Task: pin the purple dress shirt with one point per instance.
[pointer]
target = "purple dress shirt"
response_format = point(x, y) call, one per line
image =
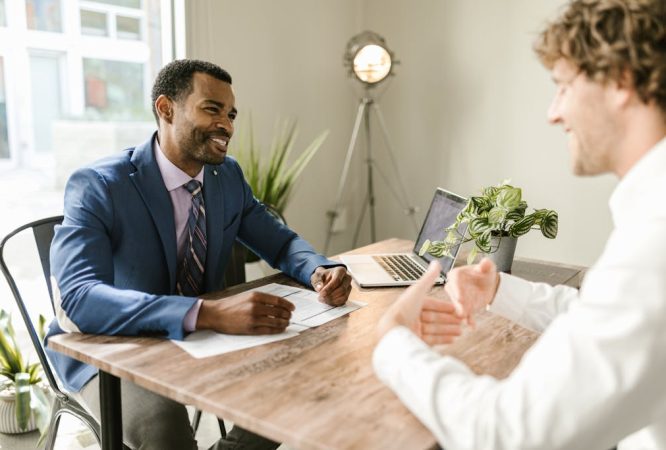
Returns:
point(174, 179)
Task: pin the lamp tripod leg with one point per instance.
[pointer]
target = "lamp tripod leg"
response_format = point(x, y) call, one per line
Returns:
point(410, 209)
point(360, 114)
point(359, 222)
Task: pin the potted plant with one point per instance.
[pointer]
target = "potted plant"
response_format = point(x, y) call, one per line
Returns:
point(272, 177)
point(24, 405)
point(494, 221)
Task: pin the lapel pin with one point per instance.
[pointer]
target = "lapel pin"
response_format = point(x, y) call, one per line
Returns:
point(214, 171)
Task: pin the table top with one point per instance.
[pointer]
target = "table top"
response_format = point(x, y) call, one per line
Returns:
point(317, 390)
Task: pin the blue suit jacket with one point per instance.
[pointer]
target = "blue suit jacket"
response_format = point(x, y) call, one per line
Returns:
point(114, 256)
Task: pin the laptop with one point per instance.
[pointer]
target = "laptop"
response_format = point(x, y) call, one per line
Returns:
point(403, 269)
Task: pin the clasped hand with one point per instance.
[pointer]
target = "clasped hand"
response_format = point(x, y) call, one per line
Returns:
point(438, 321)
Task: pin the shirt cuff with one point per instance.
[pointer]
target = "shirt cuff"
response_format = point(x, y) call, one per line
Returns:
point(394, 351)
point(511, 299)
point(190, 320)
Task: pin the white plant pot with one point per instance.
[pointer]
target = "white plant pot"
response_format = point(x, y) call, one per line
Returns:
point(8, 423)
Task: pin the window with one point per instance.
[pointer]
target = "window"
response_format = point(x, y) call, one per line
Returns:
point(128, 28)
point(4, 138)
point(44, 15)
point(126, 3)
point(93, 23)
point(45, 86)
point(96, 64)
point(3, 20)
point(114, 90)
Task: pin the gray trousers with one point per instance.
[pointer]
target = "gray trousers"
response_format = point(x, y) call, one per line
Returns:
point(151, 421)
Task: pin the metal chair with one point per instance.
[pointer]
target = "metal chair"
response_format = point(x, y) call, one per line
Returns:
point(63, 403)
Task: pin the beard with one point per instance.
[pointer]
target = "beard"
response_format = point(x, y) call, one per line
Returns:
point(198, 146)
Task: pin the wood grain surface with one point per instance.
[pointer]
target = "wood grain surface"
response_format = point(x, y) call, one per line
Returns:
point(317, 390)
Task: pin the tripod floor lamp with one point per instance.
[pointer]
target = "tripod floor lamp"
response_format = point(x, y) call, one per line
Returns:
point(370, 62)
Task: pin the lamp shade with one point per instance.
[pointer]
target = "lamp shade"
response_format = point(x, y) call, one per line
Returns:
point(368, 58)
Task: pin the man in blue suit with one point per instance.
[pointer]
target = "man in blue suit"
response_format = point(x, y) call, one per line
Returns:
point(148, 230)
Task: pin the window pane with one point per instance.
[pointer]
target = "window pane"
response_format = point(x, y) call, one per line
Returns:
point(127, 3)
point(114, 90)
point(46, 99)
point(3, 20)
point(128, 27)
point(4, 138)
point(93, 23)
point(44, 15)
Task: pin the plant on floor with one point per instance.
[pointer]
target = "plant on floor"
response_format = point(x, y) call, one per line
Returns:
point(498, 212)
point(272, 178)
point(22, 379)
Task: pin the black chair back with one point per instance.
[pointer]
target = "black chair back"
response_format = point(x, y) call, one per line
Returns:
point(43, 231)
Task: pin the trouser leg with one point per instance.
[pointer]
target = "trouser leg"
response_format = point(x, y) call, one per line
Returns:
point(241, 439)
point(150, 421)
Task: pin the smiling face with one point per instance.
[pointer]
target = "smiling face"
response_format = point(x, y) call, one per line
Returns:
point(196, 130)
point(585, 109)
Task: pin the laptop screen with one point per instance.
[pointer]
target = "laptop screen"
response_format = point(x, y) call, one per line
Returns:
point(443, 211)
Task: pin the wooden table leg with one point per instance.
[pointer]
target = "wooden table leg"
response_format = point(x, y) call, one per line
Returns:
point(111, 411)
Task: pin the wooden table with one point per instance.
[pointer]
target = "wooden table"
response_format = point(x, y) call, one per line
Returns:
point(314, 391)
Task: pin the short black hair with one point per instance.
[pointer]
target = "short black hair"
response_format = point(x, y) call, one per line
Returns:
point(175, 79)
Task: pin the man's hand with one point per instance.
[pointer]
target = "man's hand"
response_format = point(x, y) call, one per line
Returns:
point(246, 313)
point(333, 284)
point(472, 288)
point(434, 320)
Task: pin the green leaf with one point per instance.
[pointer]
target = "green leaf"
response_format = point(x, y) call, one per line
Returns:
point(424, 248)
point(472, 255)
point(41, 327)
point(483, 241)
point(272, 178)
point(40, 405)
point(509, 197)
point(478, 226)
point(481, 204)
point(497, 215)
point(522, 226)
point(22, 385)
point(490, 192)
point(549, 225)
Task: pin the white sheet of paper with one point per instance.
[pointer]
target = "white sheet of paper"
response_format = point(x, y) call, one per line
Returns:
point(205, 343)
point(309, 312)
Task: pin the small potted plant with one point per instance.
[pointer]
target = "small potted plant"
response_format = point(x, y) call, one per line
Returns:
point(494, 221)
point(272, 179)
point(24, 405)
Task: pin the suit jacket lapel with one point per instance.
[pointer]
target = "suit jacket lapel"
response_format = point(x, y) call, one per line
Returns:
point(148, 181)
point(213, 199)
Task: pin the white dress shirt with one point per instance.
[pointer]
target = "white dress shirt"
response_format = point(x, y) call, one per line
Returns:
point(597, 374)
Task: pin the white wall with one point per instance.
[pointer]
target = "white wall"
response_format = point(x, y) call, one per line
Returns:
point(467, 107)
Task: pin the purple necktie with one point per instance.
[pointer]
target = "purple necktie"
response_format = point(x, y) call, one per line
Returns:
point(191, 272)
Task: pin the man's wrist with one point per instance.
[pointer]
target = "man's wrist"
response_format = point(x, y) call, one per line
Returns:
point(191, 318)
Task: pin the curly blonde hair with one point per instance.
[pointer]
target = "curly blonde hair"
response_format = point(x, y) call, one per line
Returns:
point(606, 39)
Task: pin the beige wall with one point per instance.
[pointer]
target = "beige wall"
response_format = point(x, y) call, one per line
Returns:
point(467, 107)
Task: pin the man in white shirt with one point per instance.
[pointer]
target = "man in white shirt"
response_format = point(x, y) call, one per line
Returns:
point(597, 374)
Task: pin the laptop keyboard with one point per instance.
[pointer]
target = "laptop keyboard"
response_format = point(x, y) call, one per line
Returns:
point(400, 267)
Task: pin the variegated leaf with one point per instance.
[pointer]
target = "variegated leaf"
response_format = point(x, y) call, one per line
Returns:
point(522, 226)
point(509, 197)
point(483, 241)
point(497, 215)
point(549, 225)
point(478, 226)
